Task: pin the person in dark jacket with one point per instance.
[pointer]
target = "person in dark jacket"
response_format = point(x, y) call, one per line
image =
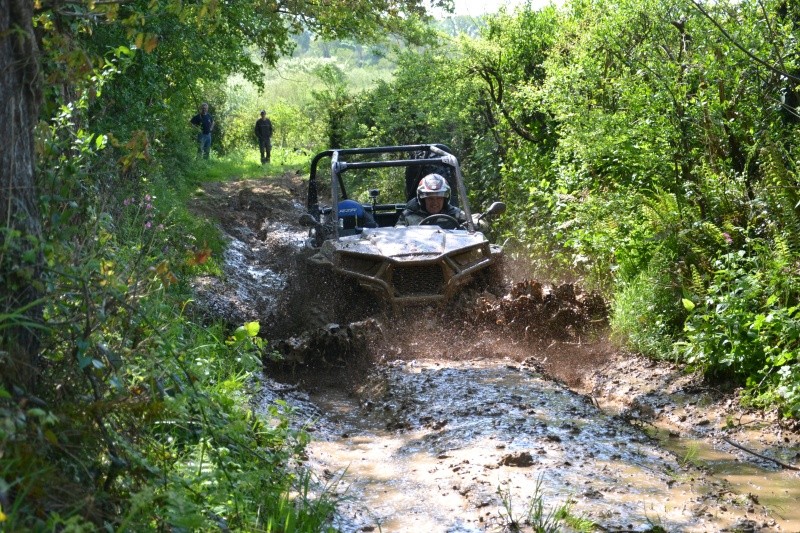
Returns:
point(205, 122)
point(433, 198)
point(264, 134)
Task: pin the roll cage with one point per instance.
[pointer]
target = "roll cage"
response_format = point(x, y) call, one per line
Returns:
point(424, 158)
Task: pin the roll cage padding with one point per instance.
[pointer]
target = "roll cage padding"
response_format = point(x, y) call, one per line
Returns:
point(312, 202)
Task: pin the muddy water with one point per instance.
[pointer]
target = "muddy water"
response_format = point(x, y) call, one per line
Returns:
point(250, 285)
point(779, 490)
point(754, 482)
point(461, 446)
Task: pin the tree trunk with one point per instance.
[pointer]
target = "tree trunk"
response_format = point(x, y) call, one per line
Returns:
point(20, 237)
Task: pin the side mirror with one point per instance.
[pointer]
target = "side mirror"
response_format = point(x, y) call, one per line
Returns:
point(497, 208)
point(307, 219)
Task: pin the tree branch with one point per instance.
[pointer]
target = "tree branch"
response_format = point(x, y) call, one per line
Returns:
point(495, 82)
point(740, 47)
point(777, 462)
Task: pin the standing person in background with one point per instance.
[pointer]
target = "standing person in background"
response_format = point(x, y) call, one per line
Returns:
point(205, 122)
point(264, 134)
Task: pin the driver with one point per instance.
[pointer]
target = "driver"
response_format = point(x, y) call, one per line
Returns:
point(433, 198)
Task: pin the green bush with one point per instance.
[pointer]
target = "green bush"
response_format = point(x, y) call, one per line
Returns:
point(742, 330)
point(646, 311)
point(142, 417)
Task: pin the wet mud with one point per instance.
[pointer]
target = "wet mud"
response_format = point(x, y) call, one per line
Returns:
point(509, 403)
point(473, 445)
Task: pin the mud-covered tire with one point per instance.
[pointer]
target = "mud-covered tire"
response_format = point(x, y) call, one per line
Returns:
point(319, 297)
point(493, 279)
point(329, 298)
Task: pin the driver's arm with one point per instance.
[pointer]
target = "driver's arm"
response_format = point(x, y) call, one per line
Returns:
point(408, 218)
point(457, 213)
point(402, 219)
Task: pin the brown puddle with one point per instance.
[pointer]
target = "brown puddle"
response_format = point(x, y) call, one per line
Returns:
point(756, 486)
point(461, 446)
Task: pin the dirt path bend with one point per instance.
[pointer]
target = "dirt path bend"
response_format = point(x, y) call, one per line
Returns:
point(424, 427)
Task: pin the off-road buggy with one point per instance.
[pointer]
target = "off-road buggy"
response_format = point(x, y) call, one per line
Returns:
point(358, 242)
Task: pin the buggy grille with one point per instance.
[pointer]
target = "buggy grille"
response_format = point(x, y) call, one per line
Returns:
point(418, 279)
point(359, 264)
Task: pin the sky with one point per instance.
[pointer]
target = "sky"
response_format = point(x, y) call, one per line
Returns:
point(479, 7)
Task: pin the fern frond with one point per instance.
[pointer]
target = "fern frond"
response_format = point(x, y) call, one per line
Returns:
point(781, 196)
point(697, 285)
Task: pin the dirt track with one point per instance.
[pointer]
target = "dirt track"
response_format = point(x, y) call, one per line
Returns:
point(540, 338)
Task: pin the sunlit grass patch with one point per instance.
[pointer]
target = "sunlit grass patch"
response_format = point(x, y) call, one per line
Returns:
point(246, 164)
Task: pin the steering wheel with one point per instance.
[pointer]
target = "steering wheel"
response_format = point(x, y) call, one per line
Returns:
point(450, 222)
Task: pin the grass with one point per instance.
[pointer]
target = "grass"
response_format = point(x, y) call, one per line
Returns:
point(691, 455)
point(245, 164)
point(538, 517)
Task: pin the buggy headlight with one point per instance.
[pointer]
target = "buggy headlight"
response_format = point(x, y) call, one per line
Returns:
point(465, 259)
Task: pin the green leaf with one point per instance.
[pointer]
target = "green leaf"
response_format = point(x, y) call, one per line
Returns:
point(249, 329)
point(252, 328)
point(783, 358)
point(123, 51)
point(82, 345)
point(687, 304)
point(37, 412)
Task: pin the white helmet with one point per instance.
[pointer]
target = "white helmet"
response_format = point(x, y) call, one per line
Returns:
point(433, 185)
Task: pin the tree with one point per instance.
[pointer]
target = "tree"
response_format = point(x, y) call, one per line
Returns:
point(20, 259)
point(509, 60)
point(184, 43)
